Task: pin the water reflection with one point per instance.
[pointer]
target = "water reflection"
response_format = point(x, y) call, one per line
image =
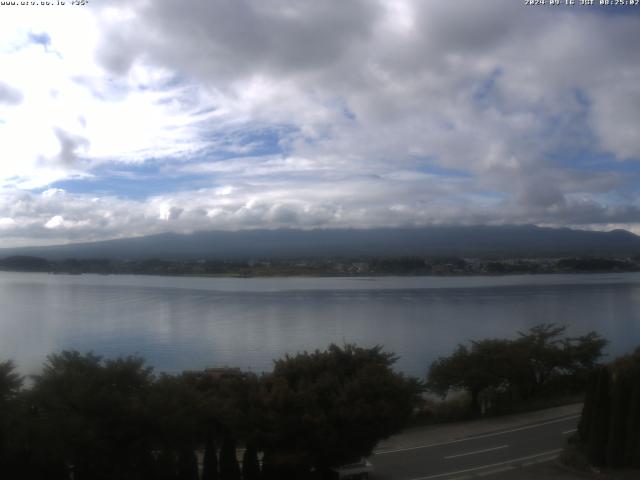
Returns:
point(188, 323)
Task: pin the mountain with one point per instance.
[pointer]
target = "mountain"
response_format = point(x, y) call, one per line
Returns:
point(503, 241)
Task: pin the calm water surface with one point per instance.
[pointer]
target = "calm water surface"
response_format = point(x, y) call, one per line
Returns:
point(189, 323)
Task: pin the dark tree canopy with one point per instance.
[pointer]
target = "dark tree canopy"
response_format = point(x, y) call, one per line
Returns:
point(114, 419)
point(229, 468)
point(10, 385)
point(250, 463)
point(609, 429)
point(522, 367)
point(329, 407)
point(10, 381)
point(210, 459)
point(92, 414)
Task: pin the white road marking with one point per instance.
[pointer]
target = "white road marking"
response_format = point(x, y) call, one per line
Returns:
point(567, 432)
point(499, 464)
point(497, 470)
point(466, 439)
point(477, 451)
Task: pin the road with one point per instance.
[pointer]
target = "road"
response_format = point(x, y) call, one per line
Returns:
point(476, 455)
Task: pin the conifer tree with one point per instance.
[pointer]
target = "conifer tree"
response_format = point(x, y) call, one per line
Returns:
point(166, 468)
point(229, 468)
point(599, 424)
point(584, 426)
point(210, 461)
point(250, 464)
point(632, 444)
point(268, 470)
point(620, 397)
point(187, 465)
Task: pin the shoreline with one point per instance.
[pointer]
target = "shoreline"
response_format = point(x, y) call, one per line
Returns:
point(331, 275)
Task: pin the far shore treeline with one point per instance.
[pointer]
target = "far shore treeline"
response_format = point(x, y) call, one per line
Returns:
point(86, 417)
point(323, 266)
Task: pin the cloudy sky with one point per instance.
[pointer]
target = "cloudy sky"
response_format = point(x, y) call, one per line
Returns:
point(122, 118)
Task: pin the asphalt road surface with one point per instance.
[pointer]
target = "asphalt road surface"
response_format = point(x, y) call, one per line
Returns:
point(479, 455)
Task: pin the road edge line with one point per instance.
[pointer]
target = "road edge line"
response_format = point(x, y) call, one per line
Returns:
point(483, 467)
point(476, 437)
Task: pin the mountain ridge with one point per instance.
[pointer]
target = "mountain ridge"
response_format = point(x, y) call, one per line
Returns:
point(479, 240)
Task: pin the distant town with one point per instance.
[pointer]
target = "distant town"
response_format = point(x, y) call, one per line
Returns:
point(369, 266)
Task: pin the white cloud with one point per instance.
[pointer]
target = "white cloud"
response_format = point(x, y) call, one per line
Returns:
point(7, 223)
point(383, 112)
point(55, 222)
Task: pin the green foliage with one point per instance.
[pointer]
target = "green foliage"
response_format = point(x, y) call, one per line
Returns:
point(250, 464)
point(113, 419)
point(227, 403)
point(166, 465)
point(176, 411)
point(599, 425)
point(328, 407)
point(10, 385)
point(586, 418)
point(620, 398)
point(474, 370)
point(542, 347)
point(582, 353)
point(229, 468)
point(210, 460)
point(632, 444)
point(453, 409)
point(595, 265)
point(610, 423)
point(400, 265)
point(92, 414)
point(187, 465)
point(10, 381)
point(25, 263)
point(535, 363)
point(269, 470)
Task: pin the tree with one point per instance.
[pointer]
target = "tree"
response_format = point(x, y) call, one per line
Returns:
point(610, 423)
point(628, 370)
point(599, 425)
point(166, 465)
point(187, 464)
point(330, 407)
point(229, 468)
point(455, 372)
point(586, 417)
point(210, 461)
point(10, 385)
point(250, 464)
point(92, 414)
point(543, 347)
point(269, 470)
point(489, 365)
point(517, 369)
point(584, 352)
point(632, 449)
point(174, 408)
point(551, 356)
point(620, 398)
point(10, 381)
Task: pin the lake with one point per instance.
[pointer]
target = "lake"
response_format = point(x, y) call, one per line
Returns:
point(179, 323)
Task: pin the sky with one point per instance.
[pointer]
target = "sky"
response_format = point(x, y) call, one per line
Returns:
point(127, 118)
